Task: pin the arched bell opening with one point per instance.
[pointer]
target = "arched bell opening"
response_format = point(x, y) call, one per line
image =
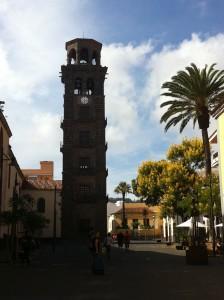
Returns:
point(95, 58)
point(84, 56)
point(72, 57)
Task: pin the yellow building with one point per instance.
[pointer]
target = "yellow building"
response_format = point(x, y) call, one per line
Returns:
point(11, 177)
point(218, 156)
point(140, 218)
point(46, 195)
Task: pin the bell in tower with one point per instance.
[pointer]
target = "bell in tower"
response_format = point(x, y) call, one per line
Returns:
point(84, 147)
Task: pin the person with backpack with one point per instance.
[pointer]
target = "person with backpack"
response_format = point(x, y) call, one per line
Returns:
point(98, 265)
point(127, 238)
point(108, 241)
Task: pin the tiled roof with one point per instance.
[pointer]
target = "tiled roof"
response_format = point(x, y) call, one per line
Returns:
point(139, 208)
point(40, 184)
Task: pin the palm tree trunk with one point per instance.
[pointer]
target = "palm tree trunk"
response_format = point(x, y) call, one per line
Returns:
point(208, 173)
point(207, 152)
point(123, 211)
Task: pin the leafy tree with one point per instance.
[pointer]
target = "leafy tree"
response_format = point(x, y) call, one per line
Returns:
point(149, 184)
point(177, 182)
point(195, 93)
point(203, 194)
point(123, 188)
point(22, 212)
point(134, 186)
point(189, 153)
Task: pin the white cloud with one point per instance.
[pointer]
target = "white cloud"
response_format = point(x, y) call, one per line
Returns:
point(124, 63)
point(32, 37)
point(164, 64)
point(32, 40)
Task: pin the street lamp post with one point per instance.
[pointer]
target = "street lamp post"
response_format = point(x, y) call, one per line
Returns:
point(211, 213)
point(154, 230)
point(54, 221)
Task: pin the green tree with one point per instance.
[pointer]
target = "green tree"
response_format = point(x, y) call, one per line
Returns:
point(22, 212)
point(134, 187)
point(123, 188)
point(149, 184)
point(177, 182)
point(195, 93)
point(189, 153)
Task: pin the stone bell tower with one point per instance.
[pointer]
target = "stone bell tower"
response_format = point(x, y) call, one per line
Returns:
point(84, 147)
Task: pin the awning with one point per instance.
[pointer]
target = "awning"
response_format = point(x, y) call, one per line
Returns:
point(189, 224)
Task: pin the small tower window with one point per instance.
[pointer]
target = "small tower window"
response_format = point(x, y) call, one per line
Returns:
point(90, 87)
point(84, 138)
point(41, 205)
point(78, 86)
point(84, 113)
point(84, 188)
point(72, 57)
point(94, 58)
point(84, 163)
point(84, 56)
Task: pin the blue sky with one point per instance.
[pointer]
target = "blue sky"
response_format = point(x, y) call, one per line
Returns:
point(144, 44)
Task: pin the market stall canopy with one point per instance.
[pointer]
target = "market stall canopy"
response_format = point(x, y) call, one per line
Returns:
point(189, 224)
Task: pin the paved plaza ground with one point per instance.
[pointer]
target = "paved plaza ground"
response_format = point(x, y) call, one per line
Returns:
point(146, 271)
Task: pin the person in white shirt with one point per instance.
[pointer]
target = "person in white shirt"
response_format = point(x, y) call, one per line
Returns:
point(108, 241)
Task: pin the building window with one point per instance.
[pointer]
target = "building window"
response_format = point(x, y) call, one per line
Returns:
point(84, 138)
point(84, 112)
point(78, 86)
point(90, 87)
point(84, 188)
point(146, 222)
point(9, 176)
point(41, 205)
point(84, 225)
point(135, 223)
point(84, 163)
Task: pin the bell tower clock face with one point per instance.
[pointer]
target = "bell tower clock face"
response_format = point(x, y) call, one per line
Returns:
point(84, 100)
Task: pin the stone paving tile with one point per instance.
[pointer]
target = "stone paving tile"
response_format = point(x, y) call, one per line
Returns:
point(144, 272)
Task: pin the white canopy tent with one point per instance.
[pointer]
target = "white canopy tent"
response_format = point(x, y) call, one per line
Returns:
point(189, 224)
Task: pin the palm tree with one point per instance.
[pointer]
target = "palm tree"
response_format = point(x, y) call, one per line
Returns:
point(123, 188)
point(195, 94)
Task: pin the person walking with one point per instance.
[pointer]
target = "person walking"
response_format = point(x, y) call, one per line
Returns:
point(127, 238)
point(108, 241)
point(98, 265)
point(120, 239)
point(27, 246)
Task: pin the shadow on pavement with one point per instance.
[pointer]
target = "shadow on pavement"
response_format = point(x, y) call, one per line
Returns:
point(143, 272)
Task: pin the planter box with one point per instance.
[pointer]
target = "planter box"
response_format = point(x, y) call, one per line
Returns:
point(197, 255)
